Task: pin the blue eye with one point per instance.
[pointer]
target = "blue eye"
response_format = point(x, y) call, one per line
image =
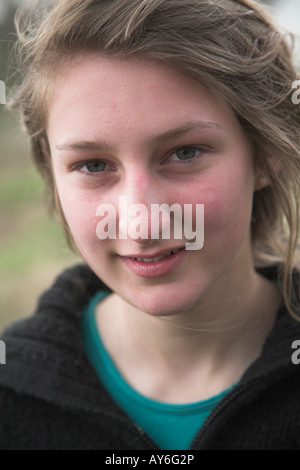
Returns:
point(94, 167)
point(186, 153)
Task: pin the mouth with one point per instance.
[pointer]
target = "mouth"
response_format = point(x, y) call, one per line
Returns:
point(158, 258)
point(154, 258)
point(156, 264)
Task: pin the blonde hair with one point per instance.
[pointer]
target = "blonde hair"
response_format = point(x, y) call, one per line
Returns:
point(231, 47)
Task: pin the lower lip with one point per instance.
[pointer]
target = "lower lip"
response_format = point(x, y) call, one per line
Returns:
point(157, 269)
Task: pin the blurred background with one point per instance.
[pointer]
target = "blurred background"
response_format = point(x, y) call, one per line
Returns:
point(33, 250)
point(32, 246)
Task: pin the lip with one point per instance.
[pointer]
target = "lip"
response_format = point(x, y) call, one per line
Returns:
point(157, 269)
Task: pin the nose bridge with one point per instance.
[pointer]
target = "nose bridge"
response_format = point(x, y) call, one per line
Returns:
point(139, 185)
point(139, 191)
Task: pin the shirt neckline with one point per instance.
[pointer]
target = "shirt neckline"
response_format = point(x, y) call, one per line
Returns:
point(116, 376)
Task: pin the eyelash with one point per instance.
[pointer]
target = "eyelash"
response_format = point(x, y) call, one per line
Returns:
point(80, 165)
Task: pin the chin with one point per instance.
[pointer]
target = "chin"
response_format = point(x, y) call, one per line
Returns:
point(164, 303)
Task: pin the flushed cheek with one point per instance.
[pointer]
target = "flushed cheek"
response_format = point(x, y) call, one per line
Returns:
point(80, 212)
point(227, 222)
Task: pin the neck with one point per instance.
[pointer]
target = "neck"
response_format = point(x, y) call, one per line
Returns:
point(214, 340)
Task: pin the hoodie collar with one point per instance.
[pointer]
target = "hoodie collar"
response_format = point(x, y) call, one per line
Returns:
point(46, 356)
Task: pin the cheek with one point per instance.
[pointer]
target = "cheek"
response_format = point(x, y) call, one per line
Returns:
point(227, 219)
point(227, 200)
point(79, 209)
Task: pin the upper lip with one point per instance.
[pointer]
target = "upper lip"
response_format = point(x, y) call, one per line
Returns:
point(152, 255)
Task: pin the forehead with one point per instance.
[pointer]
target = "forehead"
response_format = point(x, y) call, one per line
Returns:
point(94, 91)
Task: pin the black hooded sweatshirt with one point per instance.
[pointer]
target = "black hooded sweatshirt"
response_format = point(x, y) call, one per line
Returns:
point(51, 397)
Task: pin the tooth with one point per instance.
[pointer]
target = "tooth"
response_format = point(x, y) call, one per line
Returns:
point(158, 258)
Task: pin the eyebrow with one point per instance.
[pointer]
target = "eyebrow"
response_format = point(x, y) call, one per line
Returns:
point(94, 146)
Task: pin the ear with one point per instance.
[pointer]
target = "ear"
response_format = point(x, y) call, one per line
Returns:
point(261, 181)
point(270, 164)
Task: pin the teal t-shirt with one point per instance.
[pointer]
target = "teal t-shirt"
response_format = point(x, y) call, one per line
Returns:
point(171, 427)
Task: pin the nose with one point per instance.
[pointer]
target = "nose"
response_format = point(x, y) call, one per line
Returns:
point(139, 192)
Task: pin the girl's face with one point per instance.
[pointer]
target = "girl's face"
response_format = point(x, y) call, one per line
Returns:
point(142, 130)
